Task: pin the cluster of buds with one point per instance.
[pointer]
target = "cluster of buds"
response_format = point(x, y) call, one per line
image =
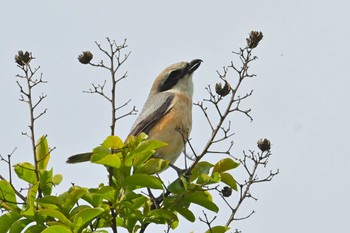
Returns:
point(85, 57)
point(264, 144)
point(223, 91)
point(23, 58)
point(254, 38)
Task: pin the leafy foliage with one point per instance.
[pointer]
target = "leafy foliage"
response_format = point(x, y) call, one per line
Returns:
point(133, 169)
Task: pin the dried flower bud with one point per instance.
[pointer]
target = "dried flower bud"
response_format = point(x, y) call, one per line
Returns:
point(223, 91)
point(254, 38)
point(226, 191)
point(85, 57)
point(264, 144)
point(23, 58)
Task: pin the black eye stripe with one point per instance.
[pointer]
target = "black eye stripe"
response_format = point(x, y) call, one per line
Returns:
point(175, 74)
point(171, 80)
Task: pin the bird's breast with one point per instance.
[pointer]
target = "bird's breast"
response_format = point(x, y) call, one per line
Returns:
point(174, 128)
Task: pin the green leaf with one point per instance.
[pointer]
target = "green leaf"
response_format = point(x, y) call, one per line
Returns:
point(202, 167)
point(202, 198)
point(7, 196)
point(93, 199)
point(29, 212)
point(143, 180)
point(130, 224)
point(127, 210)
point(152, 166)
point(107, 193)
point(26, 172)
point(203, 179)
point(138, 200)
point(174, 224)
point(57, 228)
point(177, 187)
point(113, 142)
point(51, 202)
point(102, 155)
point(100, 150)
point(142, 137)
point(120, 222)
point(55, 214)
point(134, 141)
point(143, 151)
point(42, 153)
point(46, 181)
point(19, 225)
point(186, 213)
point(6, 220)
point(215, 177)
point(71, 197)
point(225, 165)
point(229, 180)
point(57, 179)
point(111, 160)
point(85, 216)
point(78, 209)
point(218, 229)
point(34, 229)
point(161, 216)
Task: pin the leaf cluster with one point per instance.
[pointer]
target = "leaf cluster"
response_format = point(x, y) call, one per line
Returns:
point(40, 182)
point(123, 203)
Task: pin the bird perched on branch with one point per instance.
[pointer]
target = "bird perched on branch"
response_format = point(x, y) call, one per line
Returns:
point(167, 112)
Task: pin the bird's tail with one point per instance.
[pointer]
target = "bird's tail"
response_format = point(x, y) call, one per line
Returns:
point(83, 157)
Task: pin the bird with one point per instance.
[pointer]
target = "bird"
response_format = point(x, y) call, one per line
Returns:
point(167, 113)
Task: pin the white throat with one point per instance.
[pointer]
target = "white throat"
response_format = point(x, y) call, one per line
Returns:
point(184, 86)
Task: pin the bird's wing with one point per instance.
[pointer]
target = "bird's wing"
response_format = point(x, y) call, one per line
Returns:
point(153, 110)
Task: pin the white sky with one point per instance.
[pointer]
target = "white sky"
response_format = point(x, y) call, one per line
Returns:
point(300, 99)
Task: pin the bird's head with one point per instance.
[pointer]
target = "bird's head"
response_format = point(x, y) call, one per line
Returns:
point(176, 77)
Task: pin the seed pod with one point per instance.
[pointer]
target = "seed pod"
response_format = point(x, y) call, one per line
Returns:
point(85, 57)
point(23, 58)
point(264, 144)
point(223, 91)
point(226, 191)
point(254, 39)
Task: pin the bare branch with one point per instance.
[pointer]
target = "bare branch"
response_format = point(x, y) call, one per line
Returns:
point(242, 218)
point(123, 105)
point(41, 98)
point(101, 49)
point(206, 221)
point(133, 111)
point(21, 90)
point(204, 110)
point(256, 160)
point(40, 114)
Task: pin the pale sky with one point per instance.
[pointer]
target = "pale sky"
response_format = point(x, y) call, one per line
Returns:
point(300, 99)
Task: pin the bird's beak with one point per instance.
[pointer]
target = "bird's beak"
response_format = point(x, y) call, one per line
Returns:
point(193, 65)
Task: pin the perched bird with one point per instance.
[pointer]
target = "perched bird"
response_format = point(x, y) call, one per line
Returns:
point(167, 112)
